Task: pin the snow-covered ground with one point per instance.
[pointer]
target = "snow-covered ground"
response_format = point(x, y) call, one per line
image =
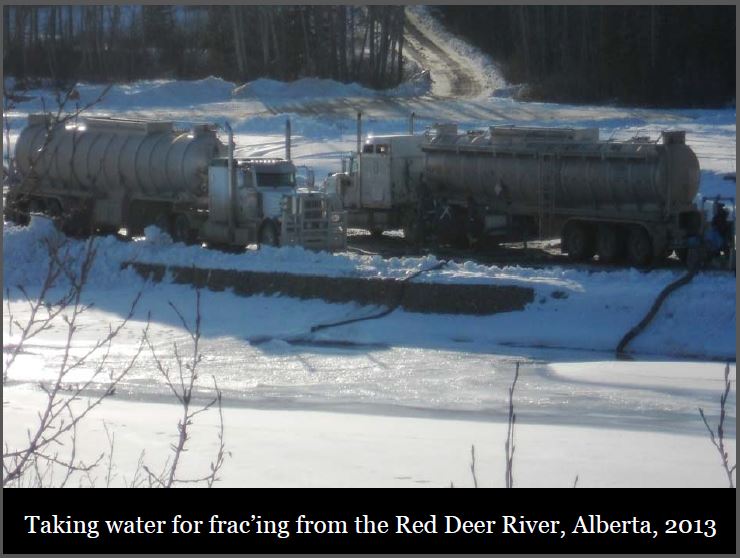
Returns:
point(397, 401)
point(422, 388)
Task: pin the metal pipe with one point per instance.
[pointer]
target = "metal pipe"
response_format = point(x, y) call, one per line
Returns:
point(232, 190)
point(287, 139)
point(359, 132)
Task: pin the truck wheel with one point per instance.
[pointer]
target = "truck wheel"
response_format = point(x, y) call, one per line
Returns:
point(610, 244)
point(639, 247)
point(54, 210)
point(15, 216)
point(579, 242)
point(269, 235)
point(77, 222)
point(181, 231)
point(162, 222)
point(36, 206)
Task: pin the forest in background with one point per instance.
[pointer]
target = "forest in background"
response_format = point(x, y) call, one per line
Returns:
point(237, 43)
point(638, 55)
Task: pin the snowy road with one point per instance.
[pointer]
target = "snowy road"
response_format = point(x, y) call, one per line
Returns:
point(452, 76)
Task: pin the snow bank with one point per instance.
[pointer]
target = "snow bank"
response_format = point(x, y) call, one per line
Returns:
point(270, 90)
point(24, 249)
point(25, 252)
point(572, 308)
point(139, 94)
point(26, 257)
point(306, 88)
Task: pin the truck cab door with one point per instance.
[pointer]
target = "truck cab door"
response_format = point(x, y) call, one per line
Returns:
point(218, 192)
point(348, 183)
point(375, 176)
point(248, 198)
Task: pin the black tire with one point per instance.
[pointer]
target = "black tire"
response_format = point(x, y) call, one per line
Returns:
point(639, 247)
point(162, 222)
point(36, 206)
point(16, 216)
point(269, 235)
point(182, 231)
point(461, 241)
point(77, 223)
point(579, 242)
point(611, 245)
point(15, 211)
point(54, 210)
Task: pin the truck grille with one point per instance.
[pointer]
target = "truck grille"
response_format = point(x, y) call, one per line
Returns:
point(314, 214)
point(313, 227)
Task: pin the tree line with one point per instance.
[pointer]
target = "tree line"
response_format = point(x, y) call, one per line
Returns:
point(649, 55)
point(238, 43)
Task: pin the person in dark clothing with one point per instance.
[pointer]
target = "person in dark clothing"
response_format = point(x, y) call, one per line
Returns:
point(722, 227)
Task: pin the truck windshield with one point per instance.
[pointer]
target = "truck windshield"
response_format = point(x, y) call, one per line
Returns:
point(275, 179)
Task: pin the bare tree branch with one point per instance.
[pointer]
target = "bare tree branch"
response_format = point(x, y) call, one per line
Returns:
point(182, 388)
point(718, 440)
point(509, 445)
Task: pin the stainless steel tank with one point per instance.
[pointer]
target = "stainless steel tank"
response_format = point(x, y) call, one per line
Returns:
point(570, 168)
point(148, 159)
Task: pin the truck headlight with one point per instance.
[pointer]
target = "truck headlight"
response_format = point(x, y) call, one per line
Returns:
point(335, 218)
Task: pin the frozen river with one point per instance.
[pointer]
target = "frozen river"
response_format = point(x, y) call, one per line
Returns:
point(374, 367)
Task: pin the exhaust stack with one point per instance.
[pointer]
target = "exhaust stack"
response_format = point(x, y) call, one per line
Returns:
point(359, 132)
point(231, 186)
point(287, 139)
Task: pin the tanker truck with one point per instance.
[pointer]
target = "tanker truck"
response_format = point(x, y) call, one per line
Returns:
point(104, 174)
point(621, 200)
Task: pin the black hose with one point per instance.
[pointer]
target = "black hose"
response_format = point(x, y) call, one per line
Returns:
point(305, 338)
point(388, 310)
point(635, 331)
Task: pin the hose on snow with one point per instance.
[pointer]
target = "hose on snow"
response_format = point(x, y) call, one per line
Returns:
point(386, 311)
point(664, 294)
point(381, 314)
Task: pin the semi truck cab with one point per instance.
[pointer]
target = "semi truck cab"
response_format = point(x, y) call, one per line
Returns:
point(269, 208)
point(379, 182)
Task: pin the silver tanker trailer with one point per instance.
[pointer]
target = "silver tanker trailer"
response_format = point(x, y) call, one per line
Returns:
point(621, 200)
point(103, 174)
